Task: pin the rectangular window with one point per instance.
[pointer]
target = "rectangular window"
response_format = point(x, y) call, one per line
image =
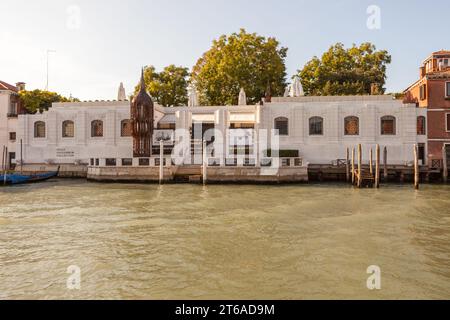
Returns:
point(144, 162)
point(388, 125)
point(12, 136)
point(447, 89)
point(158, 162)
point(97, 162)
point(423, 92)
point(13, 109)
point(111, 162)
point(127, 162)
point(447, 122)
point(92, 161)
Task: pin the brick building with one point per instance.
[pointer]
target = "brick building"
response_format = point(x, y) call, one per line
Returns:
point(432, 91)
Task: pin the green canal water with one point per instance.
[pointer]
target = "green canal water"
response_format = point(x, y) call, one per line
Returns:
point(223, 242)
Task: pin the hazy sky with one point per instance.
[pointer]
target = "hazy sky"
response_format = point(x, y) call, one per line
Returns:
point(101, 43)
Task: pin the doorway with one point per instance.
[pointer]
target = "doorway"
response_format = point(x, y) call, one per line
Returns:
point(12, 160)
point(422, 154)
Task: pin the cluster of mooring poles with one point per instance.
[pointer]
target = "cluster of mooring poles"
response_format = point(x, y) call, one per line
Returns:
point(370, 176)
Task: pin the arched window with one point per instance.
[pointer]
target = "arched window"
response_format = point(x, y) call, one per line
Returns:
point(421, 125)
point(39, 129)
point(97, 128)
point(388, 126)
point(125, 128)
point(68, 129)
point(351, 125)
point(316, 126)
point(282, 125)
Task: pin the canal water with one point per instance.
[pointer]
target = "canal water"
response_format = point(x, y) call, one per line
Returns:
point(223, 242)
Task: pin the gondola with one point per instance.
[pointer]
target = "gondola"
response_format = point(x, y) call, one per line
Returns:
point(13, 179)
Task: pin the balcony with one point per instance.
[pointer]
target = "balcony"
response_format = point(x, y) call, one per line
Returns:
point(12, 115)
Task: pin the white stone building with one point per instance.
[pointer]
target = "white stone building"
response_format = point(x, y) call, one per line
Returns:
point(318, 129)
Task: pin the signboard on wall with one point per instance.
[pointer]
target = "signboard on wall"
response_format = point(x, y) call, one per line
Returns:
point(167, 136)
point(65, 153)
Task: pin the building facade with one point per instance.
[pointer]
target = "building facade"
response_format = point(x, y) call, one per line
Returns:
point(316, 129)
point(432, 92)
point(10, 108)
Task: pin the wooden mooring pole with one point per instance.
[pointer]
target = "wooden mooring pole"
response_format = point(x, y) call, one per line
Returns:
point(377, 166)
point(416, 167)
point(353, 165)
point(205, 164)
point(347, 166)
point(359, 165)
point(444, 164)
point(385, 168)
point(4, 162)
point(371, 161)
point(161, 162)
point(21, 156)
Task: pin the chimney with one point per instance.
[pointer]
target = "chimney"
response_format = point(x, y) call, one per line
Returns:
point(422, 72)
point(20, 86)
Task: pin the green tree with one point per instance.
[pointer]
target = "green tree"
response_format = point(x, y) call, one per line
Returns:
point(41, 100)
point(168, 87)
point(342, 71)
point(241, 60)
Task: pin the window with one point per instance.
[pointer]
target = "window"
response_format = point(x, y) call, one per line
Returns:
point(447, 122)
point(316, 126)
point(39, 129)
point(127, 162)
point(111, 162)
point(351, 126)
point(13, 109)
point(68, 129)
point(97, 128)
point(144, 161)
point(421, 125)
point(12, 136)
point(423, 92)
point(282, 125)
point(447, 89)
point(388, 125)
point(126, 128)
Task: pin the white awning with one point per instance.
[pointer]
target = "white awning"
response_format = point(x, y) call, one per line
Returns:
point(203, 118)
point(168, 118)
point(242, 118)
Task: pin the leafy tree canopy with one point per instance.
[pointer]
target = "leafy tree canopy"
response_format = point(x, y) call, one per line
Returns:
point(168, 87)
point(240, 60)
point(343, 71)
point(41, 100)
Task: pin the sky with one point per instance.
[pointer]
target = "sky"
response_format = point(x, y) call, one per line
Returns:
point(97, 44)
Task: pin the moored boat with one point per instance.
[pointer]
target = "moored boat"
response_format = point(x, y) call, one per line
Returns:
point(14, 178)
